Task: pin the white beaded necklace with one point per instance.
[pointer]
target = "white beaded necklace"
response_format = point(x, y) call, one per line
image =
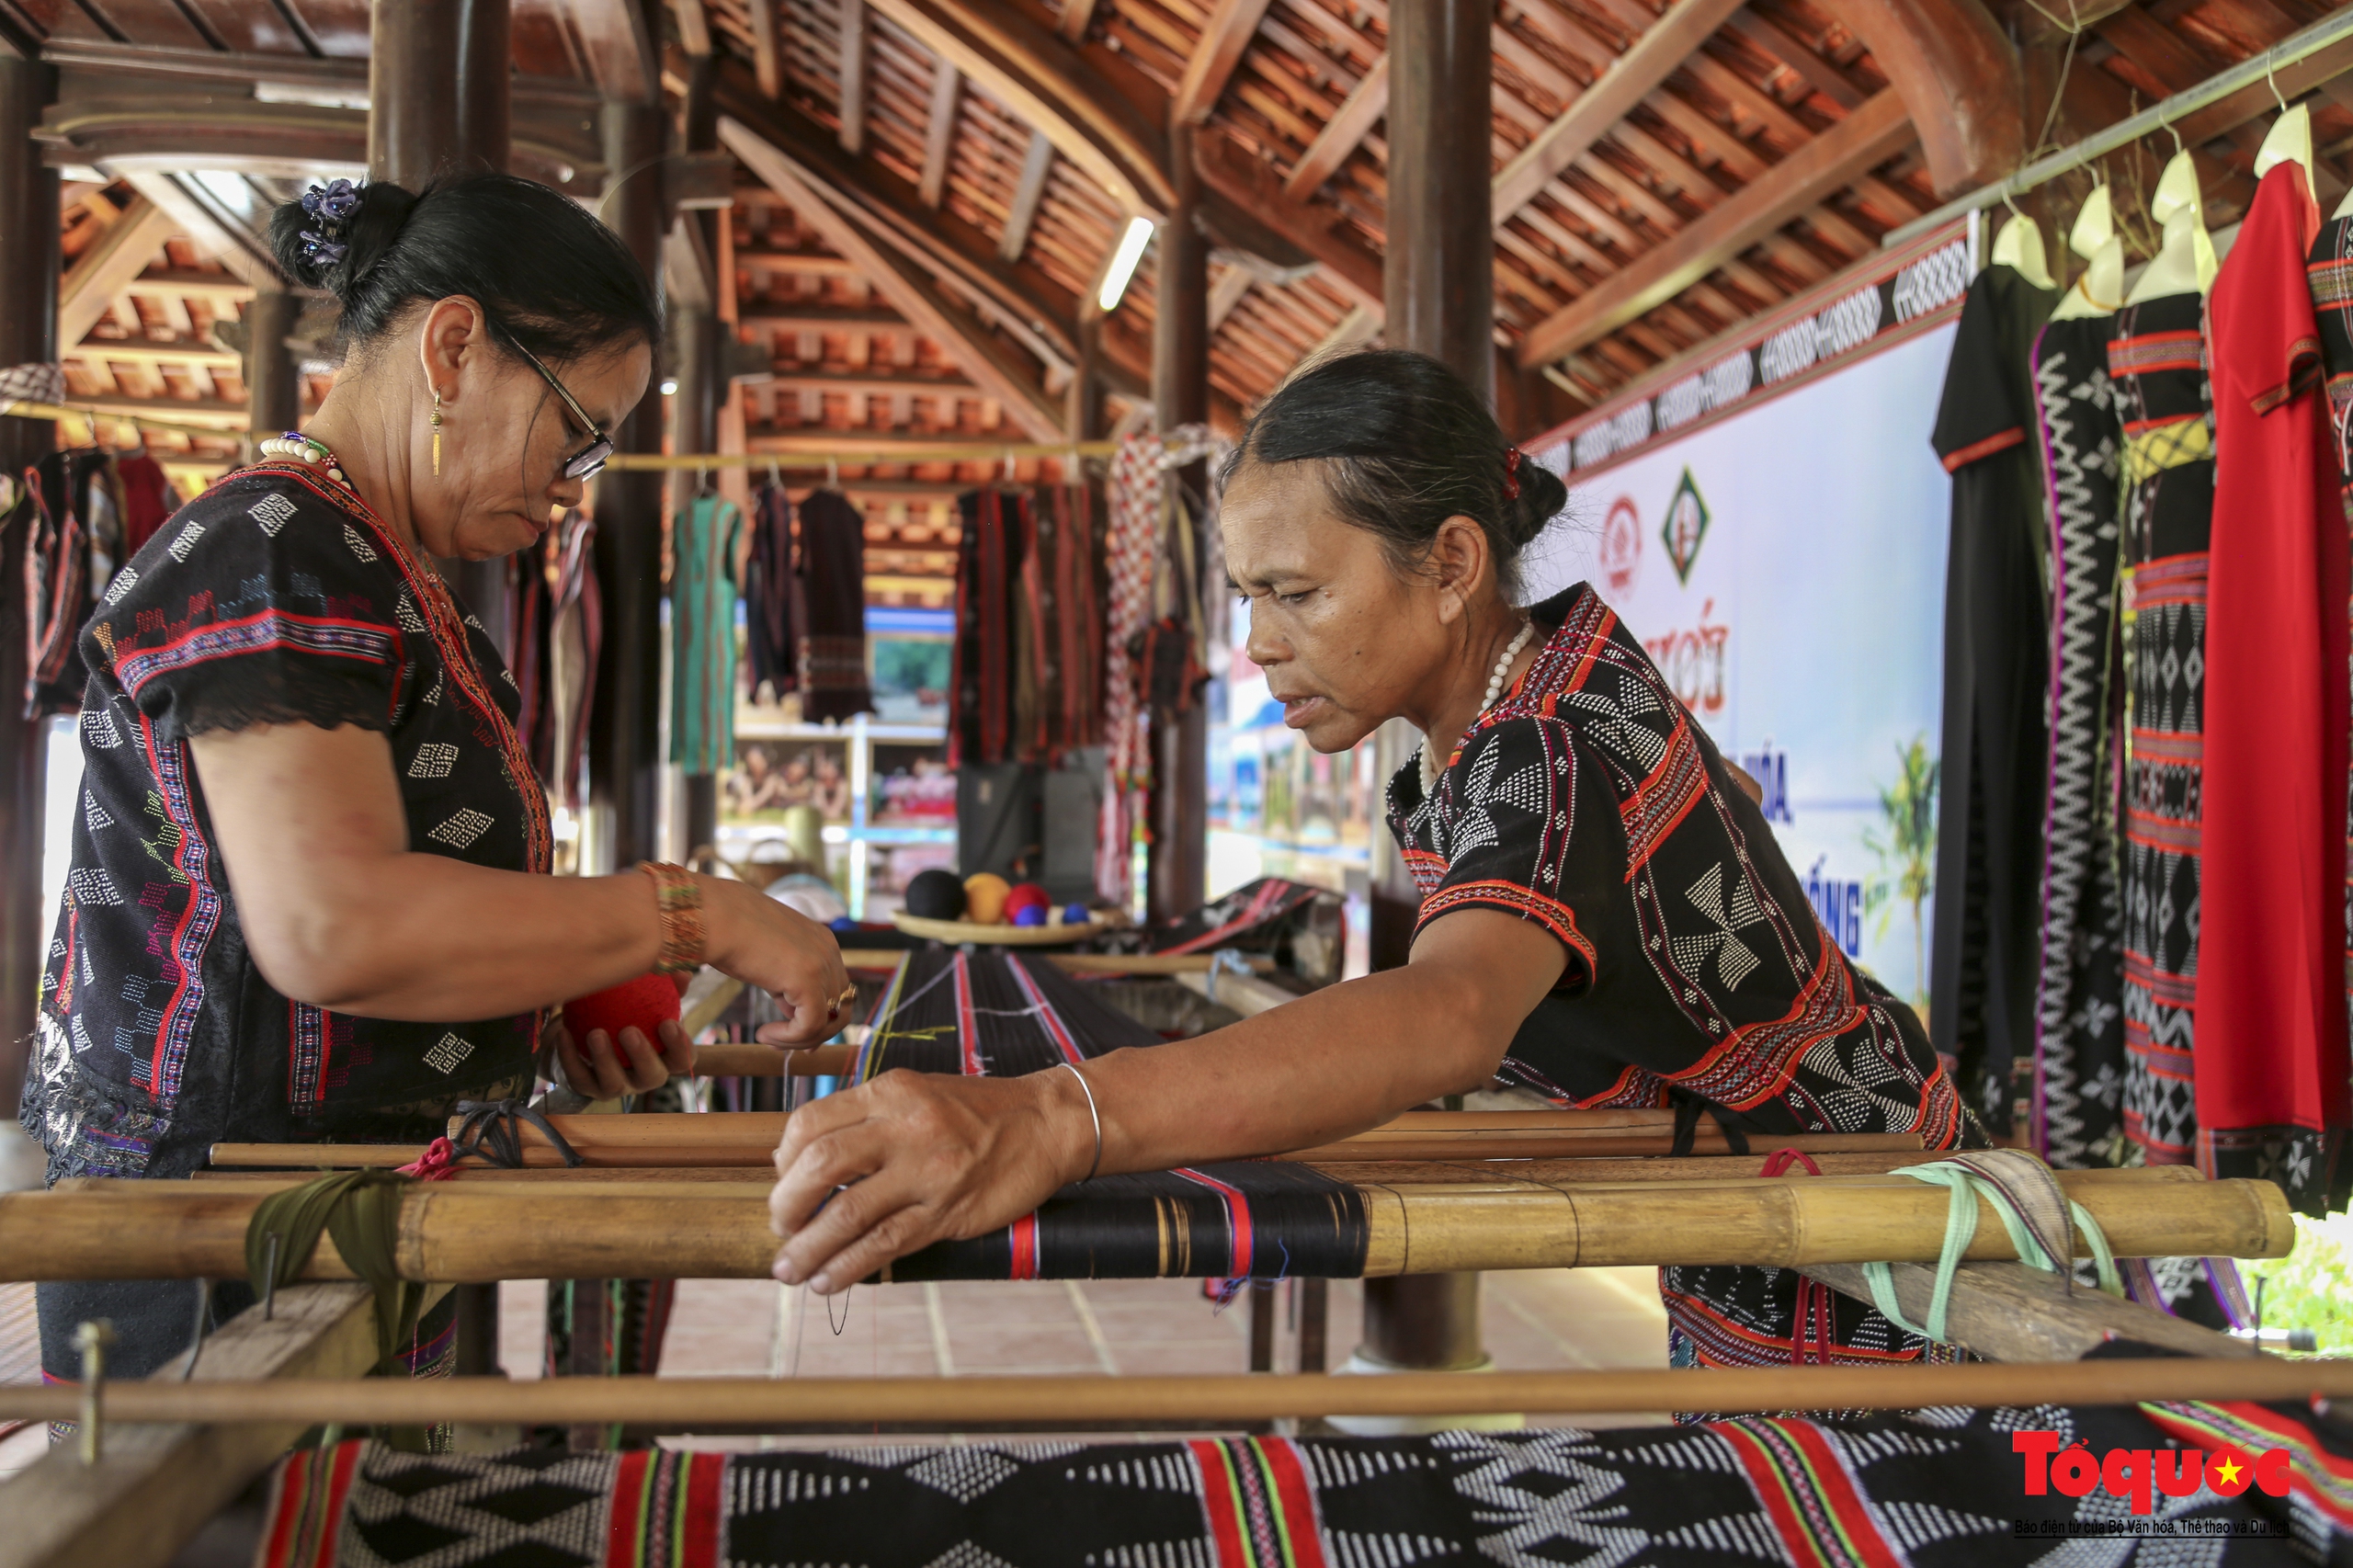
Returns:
point(1494, 689)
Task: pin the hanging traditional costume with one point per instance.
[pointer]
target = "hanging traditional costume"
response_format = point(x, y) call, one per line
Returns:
point(1589, 801)
point(2270, 1064)
point(704, 548)
point(830, 614)
point(2157, 361)
point(769, 589)
point(2330, 272)
point(1983, 955)
point(2078, 1104)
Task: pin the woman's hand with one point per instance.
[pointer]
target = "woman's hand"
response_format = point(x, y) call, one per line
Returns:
point(874, 1173)
point(605, 1069)
point(782, 951)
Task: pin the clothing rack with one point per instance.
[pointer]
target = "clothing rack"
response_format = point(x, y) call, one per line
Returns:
point(2158, 116)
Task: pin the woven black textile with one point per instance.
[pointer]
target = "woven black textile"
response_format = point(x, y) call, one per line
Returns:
point(1936, 1489)
point(990, 1012)
point(1004, 1014)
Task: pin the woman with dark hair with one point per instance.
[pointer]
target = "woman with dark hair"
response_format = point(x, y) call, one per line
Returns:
point(1605, 918)
point(308, 896)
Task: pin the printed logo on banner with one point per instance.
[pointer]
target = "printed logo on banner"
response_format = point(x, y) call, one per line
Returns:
point(1686, 526)
point(1693, 663)
point(1621, 556)
point(2137, 1474)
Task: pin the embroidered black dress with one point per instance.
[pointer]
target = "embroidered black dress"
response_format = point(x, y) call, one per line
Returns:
point(276, 597)
point(1983, 951)
point(1589, 802)
point(2078, 1106)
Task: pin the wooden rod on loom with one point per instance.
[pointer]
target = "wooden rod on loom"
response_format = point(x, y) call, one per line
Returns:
point(1080, 964)
point(1540, 1172)
point(701, 1404)
point(748, 1138)
point(458, 1233)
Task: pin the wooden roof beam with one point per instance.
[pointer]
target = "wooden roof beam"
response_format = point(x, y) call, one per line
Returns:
point(1050, 85)
point(1958, 76)
point(1229, 172)
point(1231, 25)
point(1026, 193)
point(1822, 76)
point(97, 279)
point(621, 56)
point(940, 134)
point(1077, 18)
point(1655, 56)
point(992, 368)
point(1868, 137)
point(1342, 134)
point(694, 25)
point(767, 52)
point(853, 72)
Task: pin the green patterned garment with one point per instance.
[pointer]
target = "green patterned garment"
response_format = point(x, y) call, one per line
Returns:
point(703, 629)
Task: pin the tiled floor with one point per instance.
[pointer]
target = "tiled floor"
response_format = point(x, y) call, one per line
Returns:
point(1535, 1320)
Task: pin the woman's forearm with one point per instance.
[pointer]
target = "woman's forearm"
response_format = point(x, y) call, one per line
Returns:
point(1332, 1063)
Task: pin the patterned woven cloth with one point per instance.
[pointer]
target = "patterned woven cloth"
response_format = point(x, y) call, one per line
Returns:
point(1937, 1488)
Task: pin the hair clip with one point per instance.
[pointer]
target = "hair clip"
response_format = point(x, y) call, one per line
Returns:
point(330, 206)
point(1511, 473)
point(333, 202)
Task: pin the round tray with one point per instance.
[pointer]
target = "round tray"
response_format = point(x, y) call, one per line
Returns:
point(958, 931)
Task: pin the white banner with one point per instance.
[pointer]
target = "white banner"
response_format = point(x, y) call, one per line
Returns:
point(1785, 567)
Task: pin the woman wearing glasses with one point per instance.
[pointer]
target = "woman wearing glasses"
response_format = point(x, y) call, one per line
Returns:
point(308, 896)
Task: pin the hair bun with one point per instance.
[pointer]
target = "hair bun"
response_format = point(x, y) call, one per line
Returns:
point(1543, 497)
point(334, 235)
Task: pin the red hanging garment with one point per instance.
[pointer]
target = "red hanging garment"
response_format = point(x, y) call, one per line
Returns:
point(2270, 1054)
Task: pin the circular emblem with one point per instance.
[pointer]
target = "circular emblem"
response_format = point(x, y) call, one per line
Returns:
point(1621, 546)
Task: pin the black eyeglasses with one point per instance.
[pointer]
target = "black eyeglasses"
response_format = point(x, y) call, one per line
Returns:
point(589, 461)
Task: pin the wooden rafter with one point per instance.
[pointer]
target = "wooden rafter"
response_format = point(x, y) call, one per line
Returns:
point(97, 279)
point(1956, 73)
point(990, 365)
point(1226, 289)
point(694, 25)
point(1075, 18)
point(1252, 185)
point(1231, 25)
point(940, 132)
point(1656, 55)
point(619, 53)
point(1822, 76)
point(853, 70)
point(1873, 133)
point(1046, 83)
point(1342, 134)
point(1026, 194)
point(768, 54)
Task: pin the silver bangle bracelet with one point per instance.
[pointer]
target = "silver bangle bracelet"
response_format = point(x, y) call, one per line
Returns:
point(1093, 1114)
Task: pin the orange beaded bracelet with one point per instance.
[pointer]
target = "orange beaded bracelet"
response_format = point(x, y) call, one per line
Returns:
point(678, 901)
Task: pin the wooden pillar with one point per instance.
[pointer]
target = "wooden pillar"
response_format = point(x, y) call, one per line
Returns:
point(1085, 414)
point(1439, 289)
point(273, 380)
point(440, 90)
point(702, 381)
point(28, 269)
point(624, 740)
point(1178, 869)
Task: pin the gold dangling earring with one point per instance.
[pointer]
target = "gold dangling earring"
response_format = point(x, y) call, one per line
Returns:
point(436, 432)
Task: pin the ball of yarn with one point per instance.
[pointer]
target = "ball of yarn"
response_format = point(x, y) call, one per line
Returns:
point(936, 894)
point(984, 895)
point(642, 1004)
point(1031, 915)
point(1076, 915)
point(844, 925)
point(1027, 895)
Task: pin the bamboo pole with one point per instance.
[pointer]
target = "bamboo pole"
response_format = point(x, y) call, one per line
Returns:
point(749, 1137)
point(454, 1232)
point(704, 1404)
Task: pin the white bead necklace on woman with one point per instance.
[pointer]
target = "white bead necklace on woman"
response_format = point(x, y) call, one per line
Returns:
point(1494, 689)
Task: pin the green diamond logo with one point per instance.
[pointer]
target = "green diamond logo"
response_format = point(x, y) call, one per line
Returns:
point(1686, 525)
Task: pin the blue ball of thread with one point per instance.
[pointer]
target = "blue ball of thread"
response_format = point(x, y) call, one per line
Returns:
point(1029, 915)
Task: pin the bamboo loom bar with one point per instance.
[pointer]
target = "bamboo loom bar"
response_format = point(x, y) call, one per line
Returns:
point(749, 1137)
point(1729, 1167)
point(457, 1233)
point(697, 1404)
point(1075, 963)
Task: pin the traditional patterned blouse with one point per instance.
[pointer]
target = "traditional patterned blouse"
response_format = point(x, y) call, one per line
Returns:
point(1589, 802)
point(275, 598)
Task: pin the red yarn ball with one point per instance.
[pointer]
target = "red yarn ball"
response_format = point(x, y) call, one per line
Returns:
point(642, 1002)
point(1026, 895)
